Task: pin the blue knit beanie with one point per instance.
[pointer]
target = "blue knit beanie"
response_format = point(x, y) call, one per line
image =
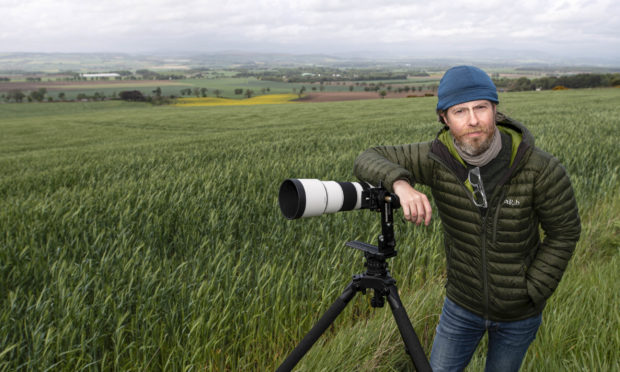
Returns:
point(463, 84)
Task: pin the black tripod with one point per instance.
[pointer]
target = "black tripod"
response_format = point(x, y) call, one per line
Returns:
point(376, 277)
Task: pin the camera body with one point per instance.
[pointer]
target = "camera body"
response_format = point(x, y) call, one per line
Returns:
point(300, 198)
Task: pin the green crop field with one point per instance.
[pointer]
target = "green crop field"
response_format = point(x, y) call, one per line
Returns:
point(216, 86)
point(139, 238)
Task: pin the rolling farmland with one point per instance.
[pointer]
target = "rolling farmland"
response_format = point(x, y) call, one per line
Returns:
point(136, 237)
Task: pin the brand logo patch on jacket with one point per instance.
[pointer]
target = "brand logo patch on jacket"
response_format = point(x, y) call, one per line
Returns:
point(512, 202)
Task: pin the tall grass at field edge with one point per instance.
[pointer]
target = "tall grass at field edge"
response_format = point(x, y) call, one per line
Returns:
point(149, 238)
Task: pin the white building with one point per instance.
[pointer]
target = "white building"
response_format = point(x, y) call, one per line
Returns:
point(102, 75)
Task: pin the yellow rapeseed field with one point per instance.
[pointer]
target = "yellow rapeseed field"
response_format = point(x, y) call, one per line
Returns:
point(269, 99)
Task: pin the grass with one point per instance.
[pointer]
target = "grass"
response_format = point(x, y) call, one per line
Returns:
point(135, 237)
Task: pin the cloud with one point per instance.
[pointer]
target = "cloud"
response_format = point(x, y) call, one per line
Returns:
point(315, 25)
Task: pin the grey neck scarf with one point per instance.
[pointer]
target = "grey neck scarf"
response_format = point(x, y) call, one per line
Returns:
point(486, 156)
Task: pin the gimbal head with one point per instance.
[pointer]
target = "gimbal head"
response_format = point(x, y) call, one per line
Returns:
point(378, 199)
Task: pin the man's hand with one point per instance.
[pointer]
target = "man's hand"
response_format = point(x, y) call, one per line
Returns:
point(416, 207)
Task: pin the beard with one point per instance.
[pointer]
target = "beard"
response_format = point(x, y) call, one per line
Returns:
point(474, 148)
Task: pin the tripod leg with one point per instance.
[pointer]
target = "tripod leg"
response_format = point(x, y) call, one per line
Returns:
point(412, 343)
point(319, 328)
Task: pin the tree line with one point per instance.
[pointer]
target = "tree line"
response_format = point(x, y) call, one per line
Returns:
point(157, 96)
point(553, 82)
point(326, 74)
point(41, 94)
point(505, 84)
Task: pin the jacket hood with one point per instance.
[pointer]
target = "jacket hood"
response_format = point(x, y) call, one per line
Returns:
point(506, 122)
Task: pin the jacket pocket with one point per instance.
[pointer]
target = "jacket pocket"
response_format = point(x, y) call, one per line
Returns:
point(535, 295)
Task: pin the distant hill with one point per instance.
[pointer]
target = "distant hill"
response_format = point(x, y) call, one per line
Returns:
point(103, 62)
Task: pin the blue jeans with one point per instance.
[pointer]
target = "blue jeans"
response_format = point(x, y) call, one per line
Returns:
point(459, 332)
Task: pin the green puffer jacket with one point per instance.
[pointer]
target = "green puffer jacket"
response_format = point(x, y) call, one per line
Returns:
point(497, 265)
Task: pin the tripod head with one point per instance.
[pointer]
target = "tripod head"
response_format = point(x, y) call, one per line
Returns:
point(377, 275)
point(378, 199)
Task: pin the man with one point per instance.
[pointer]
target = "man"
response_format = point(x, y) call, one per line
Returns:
point(493, 189)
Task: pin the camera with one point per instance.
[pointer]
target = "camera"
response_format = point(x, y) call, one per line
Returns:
point(300, 198)
point(311, 197)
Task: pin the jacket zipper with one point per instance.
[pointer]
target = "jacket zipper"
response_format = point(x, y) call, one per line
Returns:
point(483, 259)
point(483, 255)
point(496, 217)
point(485, 284)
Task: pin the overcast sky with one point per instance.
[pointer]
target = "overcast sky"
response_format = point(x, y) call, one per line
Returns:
point(401, 27)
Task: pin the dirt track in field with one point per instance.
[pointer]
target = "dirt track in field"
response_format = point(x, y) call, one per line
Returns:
point(352, 96)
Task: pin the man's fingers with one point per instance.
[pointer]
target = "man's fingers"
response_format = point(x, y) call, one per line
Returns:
point(406, 211)
point(419, 214)
point(416, 207)
point(413, 213)
point(429, 212)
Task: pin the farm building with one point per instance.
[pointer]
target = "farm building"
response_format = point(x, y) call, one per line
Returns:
point(101, 75)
